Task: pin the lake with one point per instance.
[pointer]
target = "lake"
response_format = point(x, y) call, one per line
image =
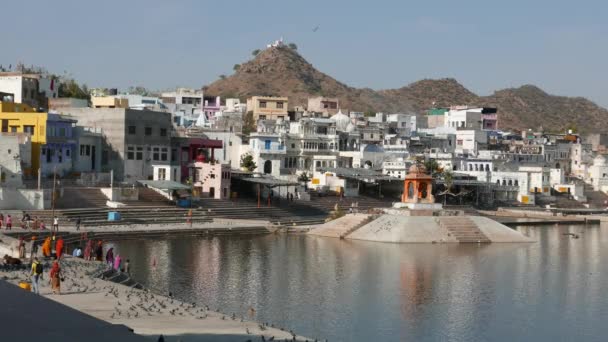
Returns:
point(553, 290)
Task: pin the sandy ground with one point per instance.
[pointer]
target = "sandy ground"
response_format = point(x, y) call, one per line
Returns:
point(145, 312)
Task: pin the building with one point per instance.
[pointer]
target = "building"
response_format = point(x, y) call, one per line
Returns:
point(58, 151)
point(326, 106)
point(67, 102)
point(136, 142)
point(436, 117)
point(87, 156)
point(211, 180)
point(21, 118)
point(15, 155)
point(268, 107)
point(31, 89)
point(109, 102)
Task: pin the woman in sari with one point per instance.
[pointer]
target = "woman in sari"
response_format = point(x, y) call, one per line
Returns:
point(110, 257)
point(59, 248)
point(117, 261)
point(55, 276)
point(87, 250)
point(99, 251)
point(46, 247)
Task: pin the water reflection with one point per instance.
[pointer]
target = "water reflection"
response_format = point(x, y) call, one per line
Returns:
point(359, 291)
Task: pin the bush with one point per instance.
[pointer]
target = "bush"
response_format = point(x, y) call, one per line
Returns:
point(248, 163)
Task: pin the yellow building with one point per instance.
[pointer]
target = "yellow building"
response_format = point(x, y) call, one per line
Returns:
point(267, 107)
point(108, 102)
point(21, 118)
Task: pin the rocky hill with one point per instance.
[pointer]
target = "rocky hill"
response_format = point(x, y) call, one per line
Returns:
point(282, 71)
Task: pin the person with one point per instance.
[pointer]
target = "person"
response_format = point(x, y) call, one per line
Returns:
point(127, 267)
point(78, 223)
point(1, 220)
point(25, 221)
point(117, 261)
point(37, 270)
point(99, 251)
point(33, 248)
point(9, 222)
point(55, 224)
point(36, 223)
point(55, 275)
point(21, 247)
point(46, 247)
point(42, 225)
point(53, 243)
point(77, 253)
point(110, 257)
point(87, 250)
point(59, 248)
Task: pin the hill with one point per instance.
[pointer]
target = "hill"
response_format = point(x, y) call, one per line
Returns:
point(283, 71)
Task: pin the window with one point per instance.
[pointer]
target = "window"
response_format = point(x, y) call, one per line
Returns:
point(267, 144)
point(132, 130)
point(212, 176)
point(139, 155)
point(262, 104)
point(173, 154)
point(293, 145)
point(155, 153)
point(148, 131)
point(59, 156)
point(14, 128)
point(88, 150)
point(279, 105)
point(262, 117)
point(163, 154)
point(163, 132)
point(130, 152)
point(162, 174)
point(459, 142)
point(82, 150)
point(67, 153)
point(28, 129)
point(62, 132)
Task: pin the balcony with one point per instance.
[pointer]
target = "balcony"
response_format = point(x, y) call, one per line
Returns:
point(273, 149)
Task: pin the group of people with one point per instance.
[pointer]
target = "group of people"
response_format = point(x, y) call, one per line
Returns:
point(115, 262)
point(55, 276)
point(27, 222)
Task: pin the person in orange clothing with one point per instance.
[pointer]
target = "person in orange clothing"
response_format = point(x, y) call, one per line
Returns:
point(59, 248)
point(46, 247)
point(55, 276)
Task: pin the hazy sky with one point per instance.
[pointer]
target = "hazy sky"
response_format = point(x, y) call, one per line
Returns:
point(561, 46)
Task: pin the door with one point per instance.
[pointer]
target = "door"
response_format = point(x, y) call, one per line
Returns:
point(268, 167)
point(93, 168)
point(212, 192)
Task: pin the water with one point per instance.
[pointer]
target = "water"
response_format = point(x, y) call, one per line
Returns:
point(552, 290)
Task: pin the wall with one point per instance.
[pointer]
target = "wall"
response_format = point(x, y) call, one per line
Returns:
point(11, 174)
point(24, 199)
point(121, 194)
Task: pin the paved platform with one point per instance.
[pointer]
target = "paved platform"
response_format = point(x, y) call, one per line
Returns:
point(28, 317)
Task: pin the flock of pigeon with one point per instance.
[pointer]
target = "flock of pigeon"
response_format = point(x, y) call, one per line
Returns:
point(130, 303)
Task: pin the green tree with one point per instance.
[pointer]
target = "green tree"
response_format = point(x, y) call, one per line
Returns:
point(369, 113)
point(222, 76)
point(431, 166)
point(293, 46)
point(248, 123)
point(70, 88)
point(255, 52)
point(236, 67)
point(303, 177)
point(248, 163)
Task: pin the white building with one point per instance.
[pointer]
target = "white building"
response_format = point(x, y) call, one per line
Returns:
point(30, 89)
point(598, 174)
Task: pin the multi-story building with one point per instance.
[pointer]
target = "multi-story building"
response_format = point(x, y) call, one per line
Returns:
point(268, 107)
point(31, 89)
point(58, 152)
point(326, 106)
point(211, 180)
point(109, 102)
point(136, 143)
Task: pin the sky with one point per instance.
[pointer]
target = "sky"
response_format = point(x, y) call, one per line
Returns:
point(560, 46)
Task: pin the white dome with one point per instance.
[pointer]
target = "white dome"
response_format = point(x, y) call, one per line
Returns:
point(341, 121)
point(600, 160)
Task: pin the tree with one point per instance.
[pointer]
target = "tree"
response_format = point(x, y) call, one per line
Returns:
point(236, 67)
point(248, 123)
point(293, 46)
point(303, 177)
point(222, 76)
point(432, 167)
point(369, 113)
point(139, 90)
point(70, 88)
point(248, 163)
point(255, 52)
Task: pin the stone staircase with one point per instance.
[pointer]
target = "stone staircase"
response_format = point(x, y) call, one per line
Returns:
point(81, 197)
point(595, 199)
point(342, 227)
point(463, 229)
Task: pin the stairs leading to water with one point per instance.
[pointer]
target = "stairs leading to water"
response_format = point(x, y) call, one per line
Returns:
point(343, 226)
point(463, 229)
point(80, 197)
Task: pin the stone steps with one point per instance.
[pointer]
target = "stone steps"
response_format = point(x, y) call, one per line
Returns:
point(463, 229)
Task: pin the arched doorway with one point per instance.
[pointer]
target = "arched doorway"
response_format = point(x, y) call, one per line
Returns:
point(267, 166)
